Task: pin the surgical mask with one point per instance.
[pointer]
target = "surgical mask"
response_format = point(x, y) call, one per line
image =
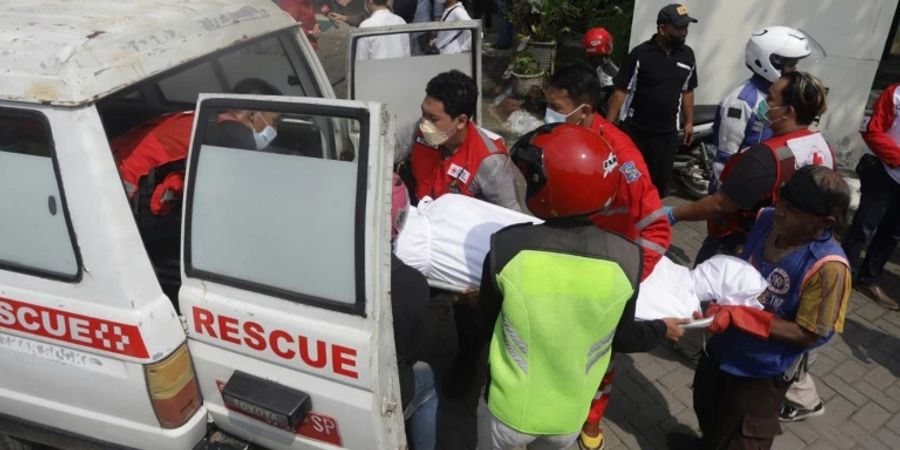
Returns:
point(551, 116)
point(764, 115)
point(265, 137)
point(433, 135)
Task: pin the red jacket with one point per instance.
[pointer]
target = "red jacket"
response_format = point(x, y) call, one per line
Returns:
point(151, 145)
point(636, 212)
point(302, 11)
point(436, 176)
point(882, 133)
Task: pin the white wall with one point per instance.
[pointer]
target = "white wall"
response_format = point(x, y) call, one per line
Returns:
point(853, 34)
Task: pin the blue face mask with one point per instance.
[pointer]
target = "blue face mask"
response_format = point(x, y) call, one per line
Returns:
point(763, 114)
point(551, 116)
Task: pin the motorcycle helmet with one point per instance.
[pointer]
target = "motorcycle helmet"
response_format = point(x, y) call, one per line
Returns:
point(598, 42)
point(569, 170)
point(399, 205)
point(770, 48)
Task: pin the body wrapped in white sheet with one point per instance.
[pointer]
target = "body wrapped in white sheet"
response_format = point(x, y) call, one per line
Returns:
point(447, 239)
point(672, 290)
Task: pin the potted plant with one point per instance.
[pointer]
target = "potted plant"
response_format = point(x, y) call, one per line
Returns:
point(543, 23)
point(527, 73)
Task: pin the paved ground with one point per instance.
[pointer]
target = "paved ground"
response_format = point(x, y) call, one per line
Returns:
point(857, 373)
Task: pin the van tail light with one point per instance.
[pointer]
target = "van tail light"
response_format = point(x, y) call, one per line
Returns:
point(173, 388)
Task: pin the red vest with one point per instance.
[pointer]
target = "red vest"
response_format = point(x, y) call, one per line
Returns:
point(436, 175)
point(785, 165)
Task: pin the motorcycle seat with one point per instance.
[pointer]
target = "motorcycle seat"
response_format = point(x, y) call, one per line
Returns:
point(703, 114)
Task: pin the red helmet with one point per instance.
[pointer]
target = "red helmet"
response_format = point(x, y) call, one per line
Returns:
point(570, 170)
point(598, 41)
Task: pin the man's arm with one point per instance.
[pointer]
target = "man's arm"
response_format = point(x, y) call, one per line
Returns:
point(497, 181)
point(687, 99)
point(731, 127)
point(640, 336)
point(823, 304)
point(875, 133)
point(750, 180)
point(615, 104)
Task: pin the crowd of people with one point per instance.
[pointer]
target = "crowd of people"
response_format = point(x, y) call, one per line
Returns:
point(557, 299)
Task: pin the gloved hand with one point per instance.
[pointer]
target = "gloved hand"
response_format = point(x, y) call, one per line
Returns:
point(756, 322)
point(167, 194)
point(670, 213)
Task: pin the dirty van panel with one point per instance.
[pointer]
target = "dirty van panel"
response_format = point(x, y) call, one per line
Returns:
point(399, 81)
point(79, 314)
point(285, 270)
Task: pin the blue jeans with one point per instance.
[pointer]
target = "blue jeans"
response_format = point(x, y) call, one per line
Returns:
point(421, 413)
point(505, 34)
point(427, 10)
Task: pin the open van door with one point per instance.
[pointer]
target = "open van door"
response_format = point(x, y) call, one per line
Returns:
point(286, 271)
point(399, 83)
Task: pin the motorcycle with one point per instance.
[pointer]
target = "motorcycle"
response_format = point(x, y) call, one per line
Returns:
point(693, 163)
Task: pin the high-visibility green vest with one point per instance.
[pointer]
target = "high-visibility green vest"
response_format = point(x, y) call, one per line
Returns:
point(564, 290)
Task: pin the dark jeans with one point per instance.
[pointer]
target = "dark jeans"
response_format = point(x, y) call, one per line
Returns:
point(876, 222)
point(505, 33)
point(736, 412)
point(659, 154)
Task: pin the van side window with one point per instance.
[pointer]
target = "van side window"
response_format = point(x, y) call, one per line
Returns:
point(287, 222)
point(35, 230)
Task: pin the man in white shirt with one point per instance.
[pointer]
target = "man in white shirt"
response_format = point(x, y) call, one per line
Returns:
point(454, 41)
point(386, 46)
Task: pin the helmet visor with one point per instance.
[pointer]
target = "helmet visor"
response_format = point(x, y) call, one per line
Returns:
point(816, 58)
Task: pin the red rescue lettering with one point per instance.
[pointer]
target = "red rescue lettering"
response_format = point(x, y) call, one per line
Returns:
point(311, 352)
point(254, 338)
point(77, 329)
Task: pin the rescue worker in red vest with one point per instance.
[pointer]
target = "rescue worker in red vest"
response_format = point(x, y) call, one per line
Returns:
point(742, 378)
point(451, 154)
point(636, 210)
point(151, 161)
point(559, 297)
point(751, 179)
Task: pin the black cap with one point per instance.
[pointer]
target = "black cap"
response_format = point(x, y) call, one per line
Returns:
point(674, 14)
point(802, 191)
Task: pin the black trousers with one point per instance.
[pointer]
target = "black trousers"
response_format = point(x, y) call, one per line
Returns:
point(736, 412)
point(876, 222)
point(659, 154)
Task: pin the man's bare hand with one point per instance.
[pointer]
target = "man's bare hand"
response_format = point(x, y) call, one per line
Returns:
point(673, 329)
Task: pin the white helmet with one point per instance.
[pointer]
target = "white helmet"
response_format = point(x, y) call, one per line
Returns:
point(769, 47)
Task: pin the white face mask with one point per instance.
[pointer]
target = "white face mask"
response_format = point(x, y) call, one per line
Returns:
point(265, 137)
point(433, 135)
point(551, 116)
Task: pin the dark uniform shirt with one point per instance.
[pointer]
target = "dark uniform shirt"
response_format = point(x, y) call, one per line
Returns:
point(656, 81)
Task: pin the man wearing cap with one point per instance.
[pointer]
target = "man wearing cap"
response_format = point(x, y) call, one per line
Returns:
point(656, 79)
point(755, 354)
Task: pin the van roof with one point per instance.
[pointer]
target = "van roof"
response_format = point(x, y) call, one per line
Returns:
point(75, 52)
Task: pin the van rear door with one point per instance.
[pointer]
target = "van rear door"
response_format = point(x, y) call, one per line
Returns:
point(399, 83)
point(286, 259)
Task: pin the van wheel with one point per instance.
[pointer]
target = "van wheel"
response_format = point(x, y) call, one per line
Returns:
point(8, 442)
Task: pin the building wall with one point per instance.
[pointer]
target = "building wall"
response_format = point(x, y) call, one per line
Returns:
point(853, 34)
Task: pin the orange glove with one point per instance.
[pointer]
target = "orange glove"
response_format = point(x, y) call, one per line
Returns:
point(753, 321)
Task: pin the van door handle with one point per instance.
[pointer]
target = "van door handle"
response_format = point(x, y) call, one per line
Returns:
point(51, 205)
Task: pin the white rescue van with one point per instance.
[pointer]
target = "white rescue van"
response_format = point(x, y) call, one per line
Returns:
point(272, 322)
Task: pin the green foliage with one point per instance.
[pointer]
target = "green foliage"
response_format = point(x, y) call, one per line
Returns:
point(525, 64)
point(554, 20)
